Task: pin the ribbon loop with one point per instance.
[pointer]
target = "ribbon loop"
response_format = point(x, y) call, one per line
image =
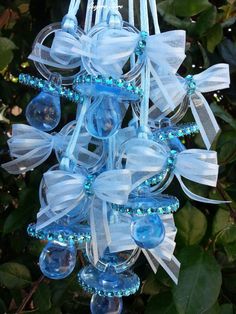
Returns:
point(30, 146)
point(66, 190)
point(199, 166)
point(217, 77)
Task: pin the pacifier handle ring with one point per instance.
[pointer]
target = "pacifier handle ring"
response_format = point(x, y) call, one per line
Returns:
point(181, 112)
point(40, 38)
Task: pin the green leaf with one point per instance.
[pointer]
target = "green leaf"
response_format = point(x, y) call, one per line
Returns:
point(21, 216)
point(224, 115)
point(151, 285)
point(226, 147)
point(188, 8)
point(14, 275)
point(221, 220)
point(166, 10)
point(191, 224)
point(227, 239)
point(226, 309)
point(6, 54)
point(228, 51)
point(42, 298)
point(3, 308)
point(161, 303)
point(214, 37)
point(206, 20)
point(198, 271)
point(215, 309)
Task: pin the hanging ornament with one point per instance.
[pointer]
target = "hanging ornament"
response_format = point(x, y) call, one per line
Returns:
point(105, 196)
point(148, 231)
point(57, 260)
point(105, 305)
point(103, 119)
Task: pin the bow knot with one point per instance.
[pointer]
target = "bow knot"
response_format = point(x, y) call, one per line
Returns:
point(66, 190)
point(31, 147)
point(195, 165)
point(191, 84)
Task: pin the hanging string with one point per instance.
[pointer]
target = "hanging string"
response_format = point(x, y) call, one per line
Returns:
point(74, 7)
point(153, 7)
point(145, 75)
point(100, 6)
point(131, 21)
point(89, 16)
point(69, 154)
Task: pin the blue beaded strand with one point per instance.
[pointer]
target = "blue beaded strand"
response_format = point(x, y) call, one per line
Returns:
point(41, 84)
point(108, 81)
point(165, 209)
point(139, 51)
point(181, 131)
point(65, 237)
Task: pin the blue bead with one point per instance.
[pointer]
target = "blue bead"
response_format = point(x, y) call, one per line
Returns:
point(57, 261)
point(44, 111)
point(103, 118)
point(148, 231)
point(105, 305)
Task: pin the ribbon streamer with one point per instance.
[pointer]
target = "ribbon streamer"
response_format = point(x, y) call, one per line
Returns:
point(215, 78)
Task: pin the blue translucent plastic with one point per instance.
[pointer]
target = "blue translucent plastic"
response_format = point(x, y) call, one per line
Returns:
point(148, 231)
point(109, 279)
point(108, 284)
point(57, 261)
point(103, 118)
point(105, 305)
point(44, 111)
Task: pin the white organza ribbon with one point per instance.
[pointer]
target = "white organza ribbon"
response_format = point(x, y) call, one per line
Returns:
point(99, 229)
point(196, 165)
point(165, 102)
point(199, 166)
point(121, 240)
point(215, 78)
point(65, 190)
point(67, 44)
point(31, 147)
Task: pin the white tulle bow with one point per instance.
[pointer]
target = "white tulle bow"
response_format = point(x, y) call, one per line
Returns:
point(215, 78)
point(31, 147)
point(65, 190)
point(121, 240)
point(196, 165)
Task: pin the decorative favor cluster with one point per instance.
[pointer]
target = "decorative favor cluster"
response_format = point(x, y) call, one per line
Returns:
point(105, 196)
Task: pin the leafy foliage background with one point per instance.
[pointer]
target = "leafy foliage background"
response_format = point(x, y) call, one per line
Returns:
point(206, 241)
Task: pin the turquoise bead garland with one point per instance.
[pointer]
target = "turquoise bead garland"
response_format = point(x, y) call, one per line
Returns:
point(141, 44)
point(191, 84)
point(172, 207)
point(41, 84)
point(108, 81)
point(181, 131)
point(49, 234)
point(169, 167)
